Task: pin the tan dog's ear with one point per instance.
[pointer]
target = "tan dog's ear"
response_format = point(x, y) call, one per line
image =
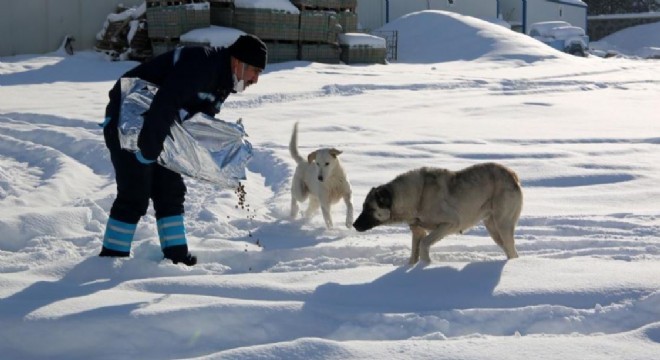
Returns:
point(311, 157)
point(334, 152)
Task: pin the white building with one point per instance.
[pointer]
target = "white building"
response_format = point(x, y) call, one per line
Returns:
point(373, 14)
point(522, 13)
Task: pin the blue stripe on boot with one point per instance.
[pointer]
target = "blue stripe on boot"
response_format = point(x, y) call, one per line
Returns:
point(119, 235)
point(171, 231)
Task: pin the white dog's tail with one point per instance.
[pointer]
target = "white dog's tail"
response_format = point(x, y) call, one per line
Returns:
point(293, 146)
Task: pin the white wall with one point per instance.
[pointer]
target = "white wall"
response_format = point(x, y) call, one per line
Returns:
point(39, 26)
point(542, 10)
point(512, 11)
point(484, 9)
point(370, 14)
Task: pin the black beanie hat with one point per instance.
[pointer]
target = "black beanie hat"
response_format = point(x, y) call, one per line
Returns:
point(250, 50)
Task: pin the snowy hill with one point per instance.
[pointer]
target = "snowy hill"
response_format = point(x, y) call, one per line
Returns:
point(582, 134)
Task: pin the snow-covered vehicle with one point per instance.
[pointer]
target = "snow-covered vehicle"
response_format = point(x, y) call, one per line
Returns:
point(561, 36)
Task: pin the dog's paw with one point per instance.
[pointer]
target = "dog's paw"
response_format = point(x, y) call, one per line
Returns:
point(418, 265)
point(423, 263)
point(424, 257)
point(299, 214)
point(328, 223)
point(294, 213)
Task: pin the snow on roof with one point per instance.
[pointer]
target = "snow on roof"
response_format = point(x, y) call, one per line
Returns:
point(214, 35)
point(198, 6)
point(573, 2)
point(132, 13)
point(544, 27)
point(360, 39)
point(284, 5)
point(566, 31)
point(557, 29)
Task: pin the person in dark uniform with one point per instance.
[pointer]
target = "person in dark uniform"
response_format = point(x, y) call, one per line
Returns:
point(195, 79)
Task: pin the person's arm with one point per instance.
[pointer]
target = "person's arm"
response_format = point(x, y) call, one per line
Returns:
point(181, 85)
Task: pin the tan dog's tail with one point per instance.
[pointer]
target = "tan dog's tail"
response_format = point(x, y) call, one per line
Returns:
point(293, 146)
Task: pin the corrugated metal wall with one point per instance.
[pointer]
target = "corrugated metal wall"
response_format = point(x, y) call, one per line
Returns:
point(39, 26)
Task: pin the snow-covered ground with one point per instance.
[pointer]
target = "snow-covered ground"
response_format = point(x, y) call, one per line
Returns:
point(582, 133)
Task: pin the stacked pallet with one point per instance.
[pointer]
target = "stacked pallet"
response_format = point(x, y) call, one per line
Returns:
point(267, 24)
point(139, 42)
point(124, 35)
point(342, 10)
point(319, 29)
point(321, 21)
point(362, 48)
point(278, 26)
point(292, 29)
point(222, 12)
point(112, 39)
point(319, 26)
point(168, 20)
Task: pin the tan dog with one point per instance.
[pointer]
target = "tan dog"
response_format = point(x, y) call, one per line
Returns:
point(321, 179)
point(444, 202)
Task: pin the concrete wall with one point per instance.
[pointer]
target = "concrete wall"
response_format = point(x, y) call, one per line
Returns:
point(39, 26)
point(604, 25)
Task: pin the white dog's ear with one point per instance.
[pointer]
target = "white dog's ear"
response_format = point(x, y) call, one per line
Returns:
point(334, 152)
point(311, 157)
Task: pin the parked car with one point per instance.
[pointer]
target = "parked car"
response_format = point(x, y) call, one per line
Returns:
point(561, 36)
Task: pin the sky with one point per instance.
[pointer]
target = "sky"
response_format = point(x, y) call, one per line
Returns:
point(581, 133)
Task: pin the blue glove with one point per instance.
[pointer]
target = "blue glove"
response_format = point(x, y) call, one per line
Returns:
point(141, 158)
point(105, 122)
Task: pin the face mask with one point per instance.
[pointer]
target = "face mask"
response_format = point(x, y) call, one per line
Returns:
point(239, 85)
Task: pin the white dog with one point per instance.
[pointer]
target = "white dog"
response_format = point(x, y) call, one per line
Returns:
point(321, 179)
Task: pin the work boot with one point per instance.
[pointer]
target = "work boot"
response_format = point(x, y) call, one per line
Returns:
point(180, 254)
point(117, 239)
point(172, 235)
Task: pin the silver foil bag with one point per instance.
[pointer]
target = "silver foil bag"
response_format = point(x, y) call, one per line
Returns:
point(202, 147)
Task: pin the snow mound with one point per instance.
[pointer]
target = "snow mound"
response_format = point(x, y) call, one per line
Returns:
point(454, 37)
point(638, 41)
